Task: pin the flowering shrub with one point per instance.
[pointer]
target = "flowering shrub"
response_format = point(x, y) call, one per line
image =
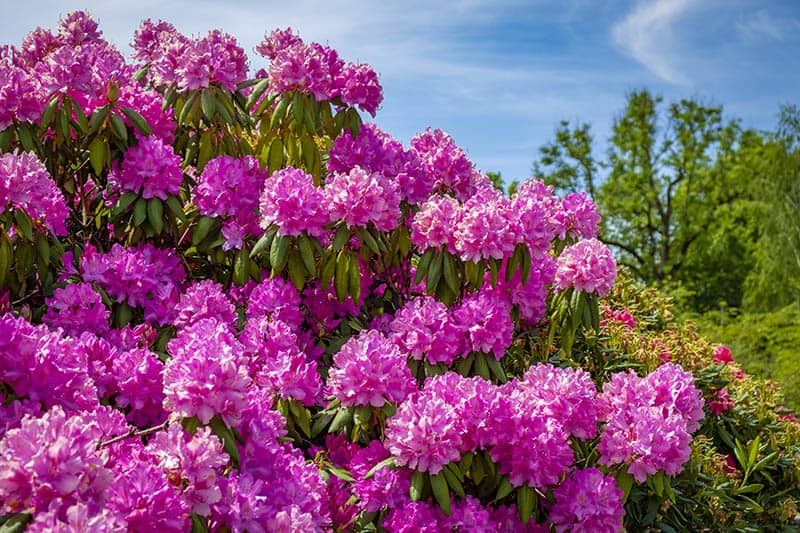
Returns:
point(228, 305)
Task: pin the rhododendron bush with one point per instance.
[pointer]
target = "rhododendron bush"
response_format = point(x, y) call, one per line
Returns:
point(227, 304)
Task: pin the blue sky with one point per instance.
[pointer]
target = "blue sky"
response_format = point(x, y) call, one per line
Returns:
point(498, 76)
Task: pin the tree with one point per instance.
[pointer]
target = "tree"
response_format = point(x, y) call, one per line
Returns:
point(567, 163)
point(775, 176)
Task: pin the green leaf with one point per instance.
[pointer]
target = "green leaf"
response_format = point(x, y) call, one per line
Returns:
point(625, 482)
point(354, 280)
point(434, 272)
point(275, 158)
point(264, 242)
point(278, 112)
point(386, 463)
point(525, 266)
point(228, 440)
point(123, 315)
point(118, 127)
point(526, 499)
point(327, 268)
point(155, 214)
point(279, 252)
point(123, 203)
point(97, 119)
point(137, 120)
point(24, 224)
point(208, 103)
point(504, 489)
point(341, 281)
point(255, 94)
point(201, 229)
point(363, 416)
point(341, 473)
point(188, 105)
point(307, 254)
point(342, 236)
point(241, 268)
point(481, 367)
point(49, 111)
point(43, 249)
point(15, 523)
point(342, 418)
point(441, 492)
point(97, 155)
point(139, 212)
point(297, 272)
point(199, 524)
point(423, 264)
point(417, 486)
point(175, 206)
point(450, 276)
point(453, 482)
point(369, 240)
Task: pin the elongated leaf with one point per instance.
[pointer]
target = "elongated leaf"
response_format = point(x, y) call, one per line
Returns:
point(307, 253)
point(118, 127)
point(342, 280)
point(137, 120)
point(279, 252)
point(525, 501)
point(155, 214)
point(386, 463)
point(441, 492)
point(417, 487)
point(97, 155)
point(297, 272)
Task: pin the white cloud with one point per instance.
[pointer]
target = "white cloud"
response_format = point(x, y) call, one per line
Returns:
point(760, 24)
point(647, 35)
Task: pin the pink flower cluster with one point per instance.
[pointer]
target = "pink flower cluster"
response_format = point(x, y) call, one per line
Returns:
point(151, 168)
point(587, 266)
point(26, 185)
point(580, 218)
point(143, 276)
point(207, 374)
point(649, 421)
point(291, 201)
point(424, 328)
point(376, 151)
point(229, 188)
point(360, 197)
point(587, 502)
point(447, 166)
point(314, 68)
point(370, 370)
point(77, 308)
point(215, 59)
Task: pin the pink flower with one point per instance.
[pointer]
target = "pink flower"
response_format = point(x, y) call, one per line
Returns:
point(27, 186)
point(151, 168)
point(291, 201)
point(588, 502)
point(721, 402)
point(360, 197)
point(722, 354)
point(588, 266)
point(370, 370)
point(207, 374)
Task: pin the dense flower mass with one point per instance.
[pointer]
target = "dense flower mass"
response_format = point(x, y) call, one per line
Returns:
point(318, 69)
point(360, 197)
point(229, 188)
point(587, 266)
point(649, 420)
point(151, 168)
point(291, 201)
point(145, 276)
point(369, 370)
point(359, 336)
point(207, 374)
point(26, 185)
point(588, 501)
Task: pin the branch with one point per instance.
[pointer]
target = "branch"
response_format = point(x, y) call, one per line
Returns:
point(626, 248)
point(133, 433)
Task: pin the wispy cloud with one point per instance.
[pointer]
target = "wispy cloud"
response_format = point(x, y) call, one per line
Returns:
point(647, 35)
point(761, 24)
